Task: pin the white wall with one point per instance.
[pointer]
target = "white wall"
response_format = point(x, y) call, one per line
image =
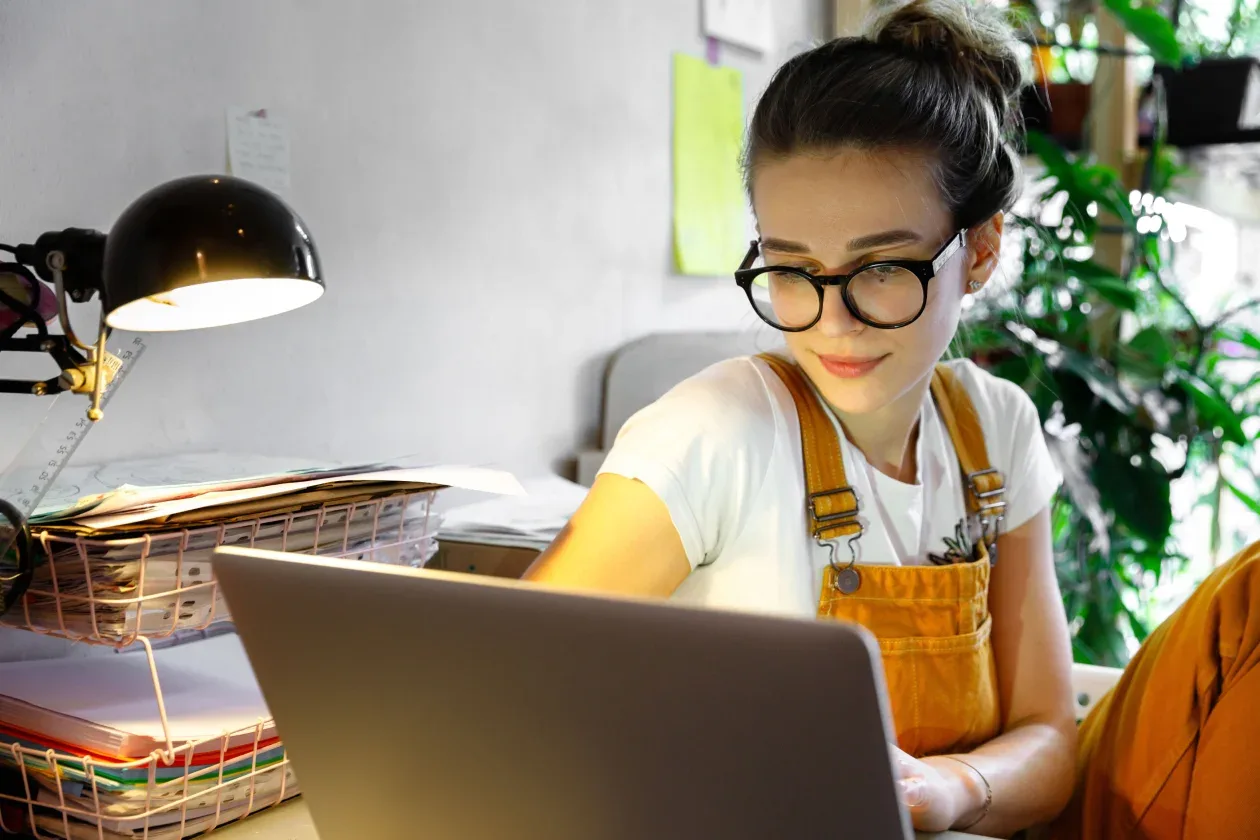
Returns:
point(488, 184)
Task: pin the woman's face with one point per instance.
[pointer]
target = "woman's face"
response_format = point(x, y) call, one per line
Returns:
point(831, 214)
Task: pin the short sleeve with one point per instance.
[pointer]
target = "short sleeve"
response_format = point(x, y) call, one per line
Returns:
point(704, 448)
point(1016, 443)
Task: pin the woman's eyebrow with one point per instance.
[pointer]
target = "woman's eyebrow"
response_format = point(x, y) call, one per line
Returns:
point(783, 246)
point(861, 243)
point(883, 239)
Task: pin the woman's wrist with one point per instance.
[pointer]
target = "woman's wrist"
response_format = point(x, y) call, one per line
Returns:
point(972, 793)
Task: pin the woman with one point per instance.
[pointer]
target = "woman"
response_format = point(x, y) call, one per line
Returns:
point(879, 169)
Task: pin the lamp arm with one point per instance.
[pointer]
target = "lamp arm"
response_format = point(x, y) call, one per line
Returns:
point(57, 264)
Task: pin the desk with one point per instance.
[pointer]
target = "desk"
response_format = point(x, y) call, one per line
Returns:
point(291, 821)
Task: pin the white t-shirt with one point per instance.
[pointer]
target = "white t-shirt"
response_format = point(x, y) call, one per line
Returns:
point(723, 452)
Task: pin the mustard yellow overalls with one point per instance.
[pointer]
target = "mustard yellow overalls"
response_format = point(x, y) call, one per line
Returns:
point(932, 622)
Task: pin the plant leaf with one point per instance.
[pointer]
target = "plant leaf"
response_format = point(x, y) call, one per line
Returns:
point(1252, 504)
point(1150, 27)
point(1212, 407)
point(1243, 336)
point(1137, 625)
point(1114, 292)
point(1140, 496)
point(1148, 353)
point(1101, 382)
point(1051, 155)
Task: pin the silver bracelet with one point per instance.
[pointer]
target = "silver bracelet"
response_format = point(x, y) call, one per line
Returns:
point(988, 793)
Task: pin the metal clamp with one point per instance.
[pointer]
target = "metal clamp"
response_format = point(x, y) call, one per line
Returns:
point(811, 502)
point(986, 494)
point(17, 582)
point(830, 545)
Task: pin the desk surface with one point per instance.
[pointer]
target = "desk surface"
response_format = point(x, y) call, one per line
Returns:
point(291, 821)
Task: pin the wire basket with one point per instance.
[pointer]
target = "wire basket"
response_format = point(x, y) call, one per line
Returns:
point(115, 591)
point(174, 793)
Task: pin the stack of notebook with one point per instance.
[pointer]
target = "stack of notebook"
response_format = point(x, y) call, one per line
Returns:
point(99, 715)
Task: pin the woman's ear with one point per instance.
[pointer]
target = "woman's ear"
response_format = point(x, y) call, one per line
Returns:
point(984, 248)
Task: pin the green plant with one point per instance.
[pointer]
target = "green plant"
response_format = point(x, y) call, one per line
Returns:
point(1134, 389)
point(1145, 20)
point(1212, 29)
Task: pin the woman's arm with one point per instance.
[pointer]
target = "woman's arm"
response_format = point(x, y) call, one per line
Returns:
point(1032, 764)
point(621, 540)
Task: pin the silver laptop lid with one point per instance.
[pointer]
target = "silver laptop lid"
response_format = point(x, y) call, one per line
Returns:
point(423, 704)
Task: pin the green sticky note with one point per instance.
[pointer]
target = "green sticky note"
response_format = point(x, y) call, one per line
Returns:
point(710, 216)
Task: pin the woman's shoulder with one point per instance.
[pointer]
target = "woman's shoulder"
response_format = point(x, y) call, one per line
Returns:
point(704, 448)
point(733, 395)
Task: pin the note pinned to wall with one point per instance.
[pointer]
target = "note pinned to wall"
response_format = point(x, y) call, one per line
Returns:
point(710, 215)
point(258, 147)
point(745, 23)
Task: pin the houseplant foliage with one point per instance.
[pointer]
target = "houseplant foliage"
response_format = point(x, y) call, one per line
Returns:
point(1135, 389)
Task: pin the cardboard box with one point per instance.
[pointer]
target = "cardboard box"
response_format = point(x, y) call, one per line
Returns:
point(482, 559)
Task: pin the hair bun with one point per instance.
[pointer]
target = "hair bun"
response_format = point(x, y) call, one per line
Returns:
point(970, 38)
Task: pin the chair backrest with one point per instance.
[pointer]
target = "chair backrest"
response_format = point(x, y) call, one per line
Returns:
point(1089, 684)
point(643, 370)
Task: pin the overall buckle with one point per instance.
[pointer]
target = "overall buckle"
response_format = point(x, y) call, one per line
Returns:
point(811, 502)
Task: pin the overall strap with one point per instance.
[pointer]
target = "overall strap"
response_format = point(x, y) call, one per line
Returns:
point(984, 490)
point(830, 503)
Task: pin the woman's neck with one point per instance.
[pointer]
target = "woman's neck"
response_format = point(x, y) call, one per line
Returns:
point(889, 437)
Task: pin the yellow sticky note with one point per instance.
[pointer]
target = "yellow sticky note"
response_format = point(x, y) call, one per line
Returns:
point(710, 215)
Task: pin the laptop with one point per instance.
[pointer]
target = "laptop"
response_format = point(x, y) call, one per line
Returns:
point(425, 704)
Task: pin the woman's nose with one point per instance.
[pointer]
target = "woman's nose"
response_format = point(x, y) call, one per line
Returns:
point(836, 319)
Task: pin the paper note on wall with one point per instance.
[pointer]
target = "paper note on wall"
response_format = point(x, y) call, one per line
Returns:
point(258, 148)
point(710, 217)
point(747, 23)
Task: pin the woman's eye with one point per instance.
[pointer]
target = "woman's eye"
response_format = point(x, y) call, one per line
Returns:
point(789, 277)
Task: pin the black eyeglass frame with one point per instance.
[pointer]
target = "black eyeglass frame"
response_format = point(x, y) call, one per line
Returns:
point(925, 270)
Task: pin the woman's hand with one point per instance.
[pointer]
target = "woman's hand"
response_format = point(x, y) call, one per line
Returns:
point(940, 792)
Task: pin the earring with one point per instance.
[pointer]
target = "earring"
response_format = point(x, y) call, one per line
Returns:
point(975, 285)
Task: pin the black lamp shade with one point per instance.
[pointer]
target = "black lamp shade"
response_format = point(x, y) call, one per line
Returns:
point(203, 252)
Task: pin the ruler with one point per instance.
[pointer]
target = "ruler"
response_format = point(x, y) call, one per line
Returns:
point(36, 466)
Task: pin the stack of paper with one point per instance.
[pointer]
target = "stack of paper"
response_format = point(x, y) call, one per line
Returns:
point(105, 707)
point(137, 558)
point(155, 582)
point(531, 520)
point(139, 509)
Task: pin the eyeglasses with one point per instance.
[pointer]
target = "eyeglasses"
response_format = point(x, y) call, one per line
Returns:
point(885, 295)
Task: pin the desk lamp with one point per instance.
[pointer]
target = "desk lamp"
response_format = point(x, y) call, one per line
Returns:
point(202, 251)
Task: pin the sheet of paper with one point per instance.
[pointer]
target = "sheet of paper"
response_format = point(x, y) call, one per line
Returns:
point(465, 478)
point(746, 23)
point(258, 147)
point(534, 519)
point(83, 486)
point(106, 703)
point(710, 214)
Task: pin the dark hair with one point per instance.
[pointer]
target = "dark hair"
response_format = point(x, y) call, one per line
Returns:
point(934, 76)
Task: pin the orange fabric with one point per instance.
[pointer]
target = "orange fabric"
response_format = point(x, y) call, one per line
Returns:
point(932, 622)
point(1174, 750)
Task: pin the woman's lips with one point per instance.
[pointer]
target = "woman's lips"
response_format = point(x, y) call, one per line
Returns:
point(850, 367)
